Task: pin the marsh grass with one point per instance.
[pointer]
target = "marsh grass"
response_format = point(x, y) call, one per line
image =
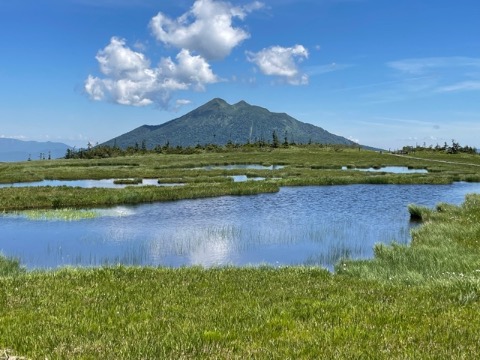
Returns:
point(418, 213)
point(135, 181)
point(12, 199)
point(447, 243)
point(312, 160)
point(10, 266)
point(58, 214)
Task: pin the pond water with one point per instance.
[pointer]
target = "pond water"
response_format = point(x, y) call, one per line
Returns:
point(240, 167)
point(105, 183)
point(243, 178)
point(298, 225)
point(390, 169)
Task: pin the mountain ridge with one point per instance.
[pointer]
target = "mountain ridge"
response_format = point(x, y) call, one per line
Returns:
point(217, 122)
point(20, 150)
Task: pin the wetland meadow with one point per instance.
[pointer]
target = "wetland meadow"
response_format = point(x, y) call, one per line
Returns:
point(245, 253)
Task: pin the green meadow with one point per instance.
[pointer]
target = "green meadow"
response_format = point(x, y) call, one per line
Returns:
point(408, 302)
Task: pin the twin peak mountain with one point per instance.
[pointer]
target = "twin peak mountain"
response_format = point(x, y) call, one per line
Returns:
point(219, 123)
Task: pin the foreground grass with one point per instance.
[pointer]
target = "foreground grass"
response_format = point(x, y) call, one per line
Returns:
point(124, 313)
point(420, 301)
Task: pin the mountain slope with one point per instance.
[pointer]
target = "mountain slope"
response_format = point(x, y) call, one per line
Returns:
point(218, 122)
point(18, 150)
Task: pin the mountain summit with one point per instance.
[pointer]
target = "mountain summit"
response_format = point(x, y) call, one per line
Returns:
point(218, 122)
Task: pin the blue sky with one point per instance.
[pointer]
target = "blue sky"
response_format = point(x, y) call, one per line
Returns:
point(384, 73)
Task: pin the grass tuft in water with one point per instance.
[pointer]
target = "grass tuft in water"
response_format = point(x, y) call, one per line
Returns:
point(135, 181)
point(418, 213)
point(10, 266)
point(59, 214)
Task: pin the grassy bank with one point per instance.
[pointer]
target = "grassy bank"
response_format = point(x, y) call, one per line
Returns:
point(12, 199)
point(418, 301)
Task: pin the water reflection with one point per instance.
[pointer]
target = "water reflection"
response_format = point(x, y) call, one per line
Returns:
point(298, 225)
point(390, 169)
point(104, 183)
point(240, 167)
point(243, 178)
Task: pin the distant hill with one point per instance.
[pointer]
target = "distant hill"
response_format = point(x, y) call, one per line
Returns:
point(218, 122)
point(17, 150)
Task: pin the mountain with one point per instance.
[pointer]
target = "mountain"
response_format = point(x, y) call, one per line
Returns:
point(17, 150)
point(218, 122)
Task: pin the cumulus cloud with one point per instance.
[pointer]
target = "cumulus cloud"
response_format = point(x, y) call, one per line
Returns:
point(131, 80)
point(282, 62)
point(207, 29)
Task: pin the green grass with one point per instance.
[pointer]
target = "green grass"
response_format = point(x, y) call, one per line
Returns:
point(122, 313)
point(444, 248)
point(9, 266)
point(128, 181)
point(418, 213)
point(58, 214)
point(26, 198)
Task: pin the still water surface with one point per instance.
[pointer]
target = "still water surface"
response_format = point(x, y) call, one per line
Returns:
point(104, 183)
point(298, 225)
point(389, 169)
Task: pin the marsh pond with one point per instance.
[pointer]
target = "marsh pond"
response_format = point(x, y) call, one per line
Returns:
point(314, 225)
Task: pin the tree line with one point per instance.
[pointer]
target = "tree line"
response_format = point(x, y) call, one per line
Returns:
point(106, 151)
point(454, 148)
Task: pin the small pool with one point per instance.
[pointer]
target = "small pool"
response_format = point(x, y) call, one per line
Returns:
point(390, 169)
point(240, 167)
point(105, 183)
point(243, 178)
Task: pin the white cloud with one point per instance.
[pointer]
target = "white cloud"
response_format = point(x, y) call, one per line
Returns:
point(193, 70)
point(324, 69)
point(355, 140)
point(130, 79)
point(461, 86)
point(421, 65)
point(282, 62)
point(16, 137)
point(140, 46)
point(182, 102)
point(427, 77)
point(118, 61)
point(206, 29)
